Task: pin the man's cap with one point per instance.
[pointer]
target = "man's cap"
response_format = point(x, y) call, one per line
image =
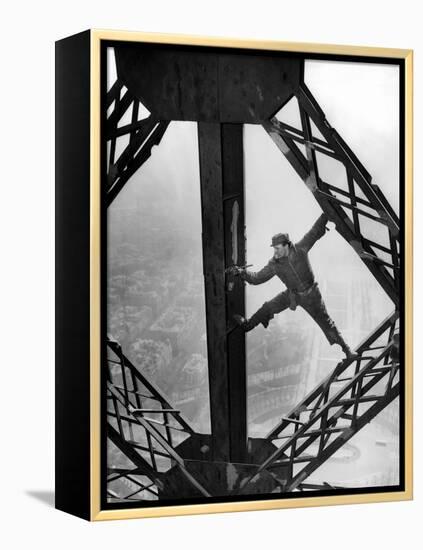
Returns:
point(280, 238)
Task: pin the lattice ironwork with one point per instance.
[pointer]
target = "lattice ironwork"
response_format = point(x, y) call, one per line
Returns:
point(139, 137)
point(143, 426)
point(338, 407)
point(355, 204)
point(132, 485)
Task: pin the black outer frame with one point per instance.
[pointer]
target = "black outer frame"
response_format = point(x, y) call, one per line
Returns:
point(72, 172)
point(73, 437)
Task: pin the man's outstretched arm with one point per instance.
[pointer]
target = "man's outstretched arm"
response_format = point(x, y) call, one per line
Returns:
point(315, 233)
point(258, 277)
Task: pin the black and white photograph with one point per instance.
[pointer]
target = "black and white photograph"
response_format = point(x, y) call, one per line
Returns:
point(253, 283)
point(211, 275)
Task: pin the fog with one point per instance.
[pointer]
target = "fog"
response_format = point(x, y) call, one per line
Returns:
point(155, 277)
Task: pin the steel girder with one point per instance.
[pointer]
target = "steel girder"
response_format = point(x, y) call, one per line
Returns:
point(324, 411)
point(144, 427)
point(143, 135)
point(346, 206)
point(338, 407)
point(327, 415)
point(147, 442)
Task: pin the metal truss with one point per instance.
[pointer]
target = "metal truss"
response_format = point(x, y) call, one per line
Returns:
point(141, 136)
point(337, 409)
point(141, 422)
point(146, 441)
point(144, 427)
point(351, 201)
point(341, 405)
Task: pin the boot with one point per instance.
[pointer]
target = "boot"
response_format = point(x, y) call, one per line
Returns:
point(334, 337)
point(349, 355)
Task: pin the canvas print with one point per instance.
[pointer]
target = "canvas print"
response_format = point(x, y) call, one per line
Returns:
point(253, 283)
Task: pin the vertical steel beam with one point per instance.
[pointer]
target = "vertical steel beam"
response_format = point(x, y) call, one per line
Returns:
point(221, 174)
point(210, 156)
point(234, 223)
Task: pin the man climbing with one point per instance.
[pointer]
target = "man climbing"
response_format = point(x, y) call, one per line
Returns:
point(291, 264)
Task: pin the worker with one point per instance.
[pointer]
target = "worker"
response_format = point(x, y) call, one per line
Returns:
point(290, 262)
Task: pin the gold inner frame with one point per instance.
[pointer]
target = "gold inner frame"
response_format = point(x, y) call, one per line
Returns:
point(95, 279)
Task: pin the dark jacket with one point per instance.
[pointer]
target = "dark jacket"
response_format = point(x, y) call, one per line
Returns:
point(293, 270)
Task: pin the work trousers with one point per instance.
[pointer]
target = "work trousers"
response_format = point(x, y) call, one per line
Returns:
point(310, 300)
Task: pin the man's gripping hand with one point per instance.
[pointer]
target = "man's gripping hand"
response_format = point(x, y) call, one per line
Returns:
point(236, 270)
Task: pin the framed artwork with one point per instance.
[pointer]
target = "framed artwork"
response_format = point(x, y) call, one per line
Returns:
point(234, 275)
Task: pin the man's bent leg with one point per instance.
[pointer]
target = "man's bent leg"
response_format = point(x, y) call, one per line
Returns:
point(265, 313)
point(316, 308)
